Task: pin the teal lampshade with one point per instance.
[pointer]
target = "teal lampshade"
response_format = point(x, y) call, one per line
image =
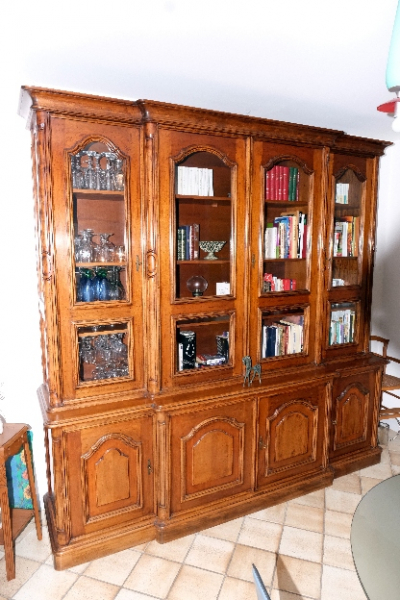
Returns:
point(393, 64)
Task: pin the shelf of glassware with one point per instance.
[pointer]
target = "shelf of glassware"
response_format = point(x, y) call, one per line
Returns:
point(103, 352)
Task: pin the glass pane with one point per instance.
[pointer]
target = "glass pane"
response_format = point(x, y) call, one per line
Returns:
point(98, 180)
point(202, 342)
point(282, 333)
point(203, 226)
point(346, 268)
point(286, 218)
point(103, 352)
point(342, 326)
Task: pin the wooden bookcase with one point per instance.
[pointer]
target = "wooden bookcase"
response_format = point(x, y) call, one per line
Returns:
point(151, 428)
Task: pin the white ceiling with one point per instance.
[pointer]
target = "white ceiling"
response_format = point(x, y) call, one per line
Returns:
point(316, 62)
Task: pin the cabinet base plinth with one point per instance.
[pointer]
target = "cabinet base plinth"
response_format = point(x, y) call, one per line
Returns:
point(91, 547)
point(354, 462)
point(239, 506)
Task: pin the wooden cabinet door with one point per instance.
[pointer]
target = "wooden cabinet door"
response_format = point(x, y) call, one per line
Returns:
point(354, 414)
point(218, 313)
point(293, 433)
point(80, 213)
point(211, 454)
point(108, 474)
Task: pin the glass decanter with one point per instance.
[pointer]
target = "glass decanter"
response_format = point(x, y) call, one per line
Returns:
point(105, 250)
point(86, 246)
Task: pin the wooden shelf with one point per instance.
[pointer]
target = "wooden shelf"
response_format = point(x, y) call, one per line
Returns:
point(203, 198)
point(286, 203)
point(203, 261)
point(99, 264)
point(99, 194)
point(20, 518)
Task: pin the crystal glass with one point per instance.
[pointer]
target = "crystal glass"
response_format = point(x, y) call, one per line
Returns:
point(86, 289)
point(90, 173)
point(118, 175)
point(106, 249)
point(109, 170)
point(120, 253)
point(86, 246)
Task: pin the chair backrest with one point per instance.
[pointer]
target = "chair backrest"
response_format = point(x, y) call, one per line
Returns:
point(262, 593)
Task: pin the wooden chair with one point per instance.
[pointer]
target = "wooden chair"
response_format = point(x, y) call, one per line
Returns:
point(389, 382)
point(14, 520)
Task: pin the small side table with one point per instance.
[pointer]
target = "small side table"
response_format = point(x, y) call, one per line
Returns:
point(14, 520)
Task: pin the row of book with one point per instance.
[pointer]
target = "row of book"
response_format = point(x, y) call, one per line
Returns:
point(275, 284)
point(342, 193)
point(283, 337)
point(286, 236)
point(282, 183)
point(342, 326)
point(346, 235)
point(194, 181)
point(189, 359)
point(187, 247)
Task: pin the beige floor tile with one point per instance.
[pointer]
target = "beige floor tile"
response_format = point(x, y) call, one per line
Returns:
point(395, 469)
point(124, 594)
point(46, 584)
point(209, 553)
point(260, 534)
point(29, 546)
point(226, 531)
point(282, 595)
point(349, 483)
point(379, 471)
point(316, 499)
point(153, 576)
point(367, 483)
point(301, 543)
point(275, 514)
point(1, 554)
point(395, 458)
point(115, 568)
point(341, 501)
point(140, 547)
point(305, 517)
point(196, 584)
point(338, 523)
point(86, 589)
point(244, 557)
point(337, 553)
point(298, 577)
point(385, 456)
point(79, 569)
point(235, 589)
point(24, 569)
point(340, 584)
point(175, 550)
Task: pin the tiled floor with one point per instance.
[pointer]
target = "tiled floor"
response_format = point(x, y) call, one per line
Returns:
point(301, 548)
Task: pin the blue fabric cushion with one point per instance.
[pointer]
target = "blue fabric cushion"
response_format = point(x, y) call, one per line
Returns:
point(19, 491)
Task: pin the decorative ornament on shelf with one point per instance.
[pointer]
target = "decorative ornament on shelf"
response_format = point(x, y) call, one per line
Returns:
point(393, 74)
point(211, 247)
point(197, 285)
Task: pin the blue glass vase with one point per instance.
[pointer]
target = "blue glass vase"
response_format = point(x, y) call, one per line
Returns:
point(86, 290)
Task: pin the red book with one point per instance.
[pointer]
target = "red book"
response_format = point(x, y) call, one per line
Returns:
point(194, 241)
point(273, 183)
point(286, 285)
point(305, 241)
point(268, 185)
point(279, 182)
point(293, 284)
point(285, 183)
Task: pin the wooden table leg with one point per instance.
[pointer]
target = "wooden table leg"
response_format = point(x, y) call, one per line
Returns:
point(6, 520)
point(31, 478)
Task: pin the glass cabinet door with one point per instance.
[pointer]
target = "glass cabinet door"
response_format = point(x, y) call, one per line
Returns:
point(202, 276)
point(350, 217)
point(203, 226)
point(99, 222)
point(98, 230)
point(347, 227)
point(284, 277)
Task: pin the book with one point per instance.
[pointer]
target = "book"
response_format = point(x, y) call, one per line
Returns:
point(223, 344)
point(210, 360)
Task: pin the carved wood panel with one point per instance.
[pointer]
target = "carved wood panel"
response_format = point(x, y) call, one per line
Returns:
point(112, 475)
point(351, 420)
point(293, 433)
point(211, 453)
